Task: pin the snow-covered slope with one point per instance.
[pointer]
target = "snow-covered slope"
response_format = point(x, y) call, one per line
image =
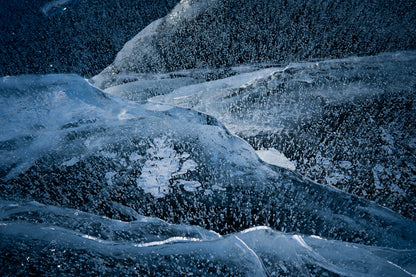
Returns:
point(67, 144)
point(48, 240)
point(221, 33)
point(348, 123)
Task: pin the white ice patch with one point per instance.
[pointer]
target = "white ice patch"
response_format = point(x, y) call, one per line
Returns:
point(167, 241)
point(188, 165)
point(302, 242)
point(187, 92)
point(163, 164)
point(124, 115)
point(109, 177)
point(257, 228)
point(274, 157)
point(71, 162)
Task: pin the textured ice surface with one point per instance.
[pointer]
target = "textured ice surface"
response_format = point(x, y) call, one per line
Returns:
point(348, 123)
point(248, 102)
point(50, 240)
point(66, 143)
point(223, 33)
point(70, 36)
point(164, 164)
point(92, 184)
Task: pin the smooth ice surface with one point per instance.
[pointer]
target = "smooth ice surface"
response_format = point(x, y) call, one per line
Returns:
point(29, 230)
point(145, 88)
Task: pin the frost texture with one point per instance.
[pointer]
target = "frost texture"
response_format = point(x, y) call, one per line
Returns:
point(67, 144)
point(93, 184)
point(348, 123)
point(224, 33)
point(70, 36)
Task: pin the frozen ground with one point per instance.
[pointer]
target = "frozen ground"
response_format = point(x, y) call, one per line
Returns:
point(229, 138)
point(348, 123)
point(82, 154)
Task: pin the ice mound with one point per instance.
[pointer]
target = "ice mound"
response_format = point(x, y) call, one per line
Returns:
point(67, 144)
